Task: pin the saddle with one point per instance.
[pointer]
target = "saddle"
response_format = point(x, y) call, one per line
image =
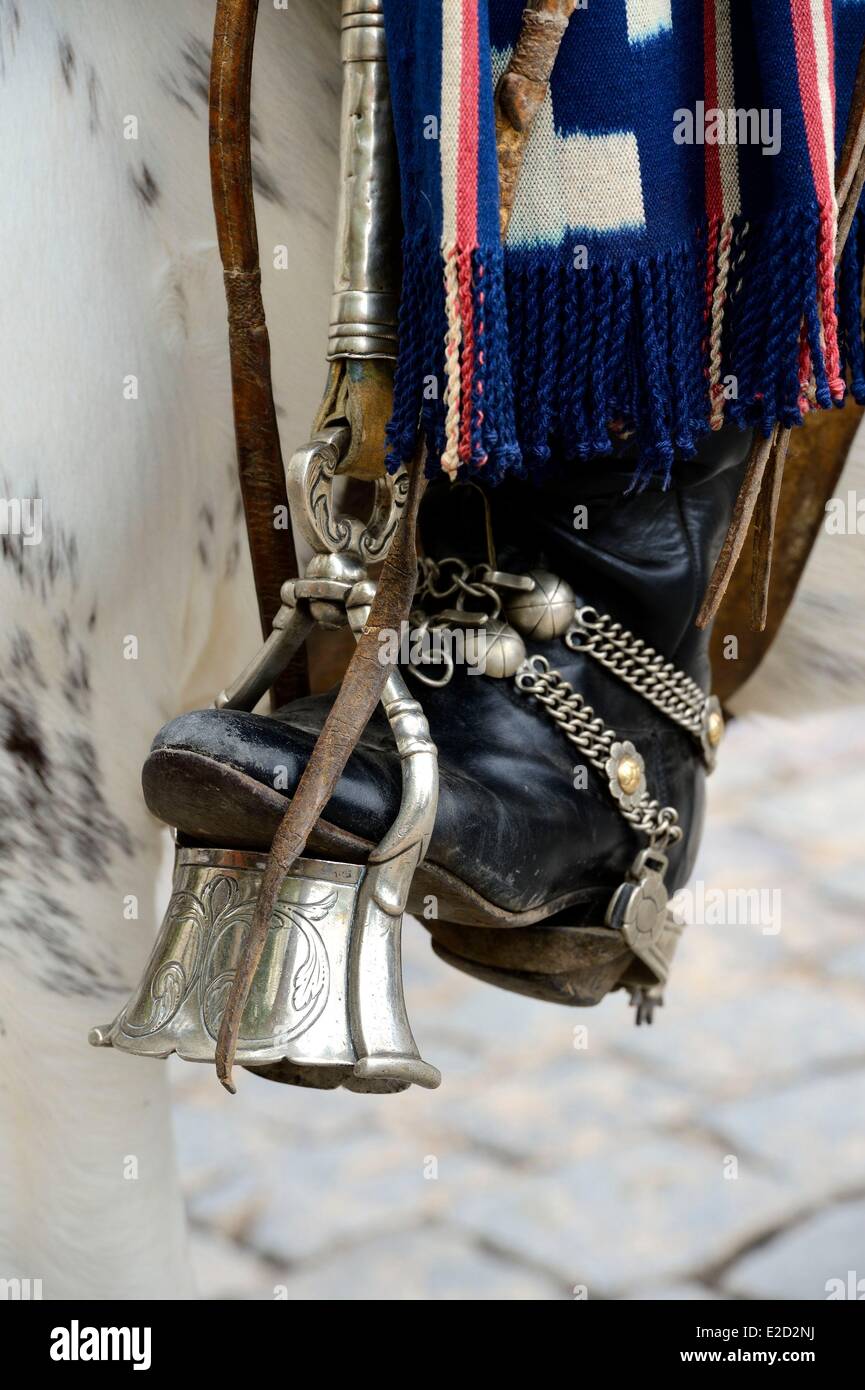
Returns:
point(280, 947)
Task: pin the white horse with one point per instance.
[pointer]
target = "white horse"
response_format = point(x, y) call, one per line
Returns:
point(124, 578)
point(135, 601)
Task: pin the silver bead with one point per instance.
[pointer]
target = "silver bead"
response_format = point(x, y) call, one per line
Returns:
point(496, 649)
point(546, 611)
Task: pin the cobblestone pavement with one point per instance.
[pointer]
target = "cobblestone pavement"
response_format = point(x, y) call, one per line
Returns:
point(719, 1154)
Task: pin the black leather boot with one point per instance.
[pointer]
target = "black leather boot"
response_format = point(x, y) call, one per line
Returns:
point(531, 829)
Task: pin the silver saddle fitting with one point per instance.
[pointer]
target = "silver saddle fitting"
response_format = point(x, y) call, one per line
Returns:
point(326, 1007)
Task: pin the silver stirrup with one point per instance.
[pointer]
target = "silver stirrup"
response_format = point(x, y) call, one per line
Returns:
point(326, 1007)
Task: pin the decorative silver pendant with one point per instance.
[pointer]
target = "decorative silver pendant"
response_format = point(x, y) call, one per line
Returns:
point(638, 909)
point(496, 649)
point(546, 610)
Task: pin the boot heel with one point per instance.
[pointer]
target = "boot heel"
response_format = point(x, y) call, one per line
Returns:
point(577, 966)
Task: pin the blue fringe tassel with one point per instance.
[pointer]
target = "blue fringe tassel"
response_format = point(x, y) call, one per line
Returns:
point(568, 358)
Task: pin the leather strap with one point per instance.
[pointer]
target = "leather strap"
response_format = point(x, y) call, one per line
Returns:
point(814, 464)
point(359, 393)
point(763, 480)
point(259, 456)
point(359, 693)
point(522, 89)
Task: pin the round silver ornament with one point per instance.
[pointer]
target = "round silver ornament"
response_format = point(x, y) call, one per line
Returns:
point(627, 774)
point(546, 610)
point(495, 649)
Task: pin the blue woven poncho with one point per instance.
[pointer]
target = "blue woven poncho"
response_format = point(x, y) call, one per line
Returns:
point(669, 265)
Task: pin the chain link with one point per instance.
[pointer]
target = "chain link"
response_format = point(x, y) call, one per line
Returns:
point(588, 732)
point(617, 649)
point(442, 579)
point(641, 667)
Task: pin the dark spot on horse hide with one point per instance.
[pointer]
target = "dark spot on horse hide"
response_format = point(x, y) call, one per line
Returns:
point(145, 186)
point(22, 740)
point(94, 97)
point(23, 660)
point(52, 804)
point(50, 942)
point(10, 25)
point(207, 532)
point(232, 559)
point(196, 57)
point(67, 62)
point(330, 83)
point(39, 568)
point(76, 681)
point(53, 809)
point(264, 183)
point(172, 90)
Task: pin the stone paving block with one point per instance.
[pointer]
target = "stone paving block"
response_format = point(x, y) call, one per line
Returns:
point(322, 1197)
point(820, 1257)
point(815, 925)
point(849, 963)
point(716, 963)
point(229, 1204)
point(732, 849)
point(769, 1034)
point(811, 1132)
point(552, 1156)
point(430, 1264)
point(211, 1146)
point(266, 1110)
point(495, 1017)
point(674, 1293)
point(578, 1105)
point(658, 1210)
point(422, 969)
point(846, 883)
point(820, 815)
point(223, 1270)
point(300, 1115)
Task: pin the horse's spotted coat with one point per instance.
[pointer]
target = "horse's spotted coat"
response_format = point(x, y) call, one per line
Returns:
point(136, 601)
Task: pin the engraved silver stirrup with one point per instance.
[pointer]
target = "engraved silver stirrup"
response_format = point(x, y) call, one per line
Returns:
point(326, 1007)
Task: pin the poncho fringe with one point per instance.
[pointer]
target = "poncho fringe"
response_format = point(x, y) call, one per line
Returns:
point(518, 357)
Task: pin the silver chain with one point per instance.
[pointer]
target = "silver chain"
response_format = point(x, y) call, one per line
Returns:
point(639, 666)
point(443, 578)
point(588, 732)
